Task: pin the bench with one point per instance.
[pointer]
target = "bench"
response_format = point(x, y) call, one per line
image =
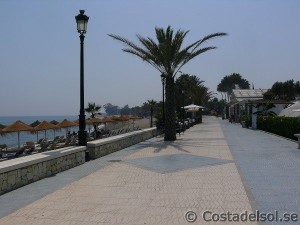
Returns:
point(298, 136)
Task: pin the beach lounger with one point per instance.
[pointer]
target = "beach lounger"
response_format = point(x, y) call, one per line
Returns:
point(3, 147)
point(56, 138)
point(40, 141)
point(29, 144)
point(19, 153)
point(30, 151)
point(43, 146)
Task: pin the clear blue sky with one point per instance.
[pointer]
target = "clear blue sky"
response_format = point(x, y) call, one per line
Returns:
point(39, 49)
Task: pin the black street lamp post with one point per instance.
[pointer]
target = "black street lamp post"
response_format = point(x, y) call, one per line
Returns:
point(163, 80)
point(82, 21)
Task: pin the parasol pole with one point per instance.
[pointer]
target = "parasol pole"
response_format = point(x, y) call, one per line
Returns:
point(18, 139)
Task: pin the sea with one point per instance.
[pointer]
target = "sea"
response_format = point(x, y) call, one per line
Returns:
point(11, 139)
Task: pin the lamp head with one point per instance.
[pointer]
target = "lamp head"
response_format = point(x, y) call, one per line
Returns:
point(82, 21)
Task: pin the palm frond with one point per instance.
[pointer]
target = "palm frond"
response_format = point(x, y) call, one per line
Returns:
point(167, 54)
point(206, 38)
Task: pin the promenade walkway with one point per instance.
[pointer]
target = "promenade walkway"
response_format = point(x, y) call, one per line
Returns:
point(214, 167)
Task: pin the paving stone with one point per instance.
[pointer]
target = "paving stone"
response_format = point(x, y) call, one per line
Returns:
point(157, 182)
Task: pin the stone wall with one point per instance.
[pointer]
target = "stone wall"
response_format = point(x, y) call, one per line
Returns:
point(24, 170)
point(21, 171)
point(99, 148)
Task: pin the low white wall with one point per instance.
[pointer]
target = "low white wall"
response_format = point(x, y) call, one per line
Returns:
point(99, 148)
point(18, 172)
point(21, 171)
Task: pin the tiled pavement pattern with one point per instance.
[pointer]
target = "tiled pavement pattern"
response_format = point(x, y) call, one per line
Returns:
point(154, 183)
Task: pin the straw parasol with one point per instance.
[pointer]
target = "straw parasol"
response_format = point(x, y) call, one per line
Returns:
point(107, 120)
point(17, 126)
point(54, 122)
point(46, 126)
point(2, 127)
point(119, 118)
point(35, 123)
point(93, 120)
point(90, 121)
point(66, 124)
point(76, 121)
point(133, 118)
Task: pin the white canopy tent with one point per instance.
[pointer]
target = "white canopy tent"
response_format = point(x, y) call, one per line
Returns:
point(291, 111)
point(193, 108)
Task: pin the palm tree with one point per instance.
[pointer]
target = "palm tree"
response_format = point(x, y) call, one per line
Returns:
point(266, 109)
point(167, 56)
point(94, 110)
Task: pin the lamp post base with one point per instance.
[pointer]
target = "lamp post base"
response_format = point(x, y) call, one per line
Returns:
point(82, 138)
point(82, 134)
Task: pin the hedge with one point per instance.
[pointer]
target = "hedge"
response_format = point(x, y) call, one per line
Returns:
point(283, 126)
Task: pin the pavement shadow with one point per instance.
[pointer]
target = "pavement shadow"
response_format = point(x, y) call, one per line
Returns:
point(160, 146)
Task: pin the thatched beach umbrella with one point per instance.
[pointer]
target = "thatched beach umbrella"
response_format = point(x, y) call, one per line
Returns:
point(18, 126)
point(35, 123)
point(2, 127)
point(90, 121)
point(107, 120)
point(133, 118)
point(94, 120)
point(54, 122)
point(66, 124)
point(46, 126)
point(116, 118)
point(120, 119)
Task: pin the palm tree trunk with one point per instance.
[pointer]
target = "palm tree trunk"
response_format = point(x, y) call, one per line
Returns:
point(170, 125)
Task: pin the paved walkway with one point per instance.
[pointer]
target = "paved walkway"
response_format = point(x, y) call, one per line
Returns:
point(214, 167)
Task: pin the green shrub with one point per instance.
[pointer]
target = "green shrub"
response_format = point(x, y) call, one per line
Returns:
point(247, 119)
point(283, 126)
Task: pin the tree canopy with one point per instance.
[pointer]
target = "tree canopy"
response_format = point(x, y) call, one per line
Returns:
point(287, 90)
point(229, 82)
point(194, 90)
point(93, 109)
